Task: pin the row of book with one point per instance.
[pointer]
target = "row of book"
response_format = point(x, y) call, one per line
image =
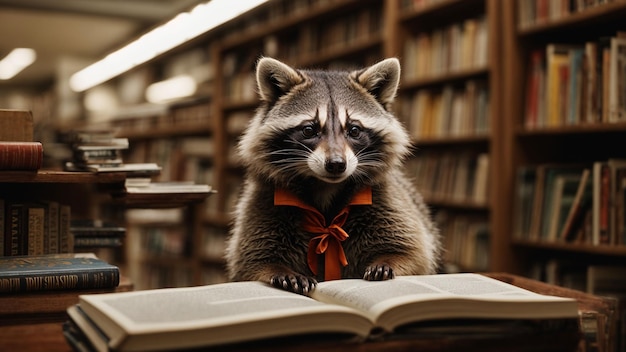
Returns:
point(46, 227)
point(572, 203)
point(239, 79)
point(465, 239)
point(34, 228)
point(296, 47)
point(150, 116)
point(532, 12)
point(448, 113)
point(357, 26)
point(569, 84)
point(458, 47)
point(451, 177)
point(275, 12)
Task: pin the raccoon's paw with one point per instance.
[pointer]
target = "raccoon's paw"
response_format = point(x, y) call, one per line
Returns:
point(378, 272)
point(294, 283)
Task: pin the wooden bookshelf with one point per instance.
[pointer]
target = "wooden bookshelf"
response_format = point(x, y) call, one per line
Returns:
point(54, 176)
point(429, 34)
point(583, 141)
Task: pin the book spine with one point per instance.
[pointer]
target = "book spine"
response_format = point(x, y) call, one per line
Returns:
point(15, 232)
point(21, 155)
point(93, 279)
point(35, 225)
point(91, 242)
point(52, 238)
point(66, 244)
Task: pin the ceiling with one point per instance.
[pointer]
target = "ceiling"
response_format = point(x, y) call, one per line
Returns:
point(82, 29)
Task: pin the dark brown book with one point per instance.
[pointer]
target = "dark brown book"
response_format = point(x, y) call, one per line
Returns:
point(582, 200)
point(21, 155)
point(15, 229)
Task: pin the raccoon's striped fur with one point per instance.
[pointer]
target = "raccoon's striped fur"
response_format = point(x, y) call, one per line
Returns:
point(323, 136)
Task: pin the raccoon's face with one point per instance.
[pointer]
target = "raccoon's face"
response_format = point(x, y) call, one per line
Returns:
point(331, 126)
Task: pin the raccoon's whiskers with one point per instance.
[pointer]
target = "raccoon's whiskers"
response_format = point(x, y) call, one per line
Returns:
point(369, 162)
point(298, 143)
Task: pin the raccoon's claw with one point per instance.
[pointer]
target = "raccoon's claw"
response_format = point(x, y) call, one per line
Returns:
point(294, 283)
point(378, 272)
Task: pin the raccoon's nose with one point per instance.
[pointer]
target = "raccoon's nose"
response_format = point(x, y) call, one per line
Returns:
point(335, 165)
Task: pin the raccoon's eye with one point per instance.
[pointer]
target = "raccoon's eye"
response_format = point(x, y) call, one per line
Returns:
point(309, 131)
point(354, 132)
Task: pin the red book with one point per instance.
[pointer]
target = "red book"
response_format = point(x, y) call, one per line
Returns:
point(21, 155)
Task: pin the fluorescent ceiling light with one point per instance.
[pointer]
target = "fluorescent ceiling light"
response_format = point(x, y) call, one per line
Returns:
point(184, 27)
point(173, 88)
point(17, 60)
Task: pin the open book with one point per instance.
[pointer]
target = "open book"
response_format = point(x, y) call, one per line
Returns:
point(203, 316)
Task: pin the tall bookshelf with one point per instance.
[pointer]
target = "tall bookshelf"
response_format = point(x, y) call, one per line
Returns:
point(449, 101)
point(563, 133)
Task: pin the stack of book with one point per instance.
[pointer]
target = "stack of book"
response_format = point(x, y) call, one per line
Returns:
point(101, 151)
point(35, 292)
point(34, 227)
point(89, 233)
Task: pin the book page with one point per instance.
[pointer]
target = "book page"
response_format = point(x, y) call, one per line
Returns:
point(188, 305)
point(214, 314)
point(424, 293)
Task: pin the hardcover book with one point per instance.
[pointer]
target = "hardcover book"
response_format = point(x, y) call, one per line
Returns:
point(55, 272)
point(23, 156)
point(236, 312)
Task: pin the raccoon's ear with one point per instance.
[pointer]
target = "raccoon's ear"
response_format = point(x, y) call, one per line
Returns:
point(381, 80)
point(275, 79)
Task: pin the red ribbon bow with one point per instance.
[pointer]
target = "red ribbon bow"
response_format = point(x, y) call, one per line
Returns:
point(329, 238)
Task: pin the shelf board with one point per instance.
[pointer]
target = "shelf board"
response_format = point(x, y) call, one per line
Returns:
point(451, 77)
point(592, 15)
point(600, 250)
point(54, 176)
point(583, 128)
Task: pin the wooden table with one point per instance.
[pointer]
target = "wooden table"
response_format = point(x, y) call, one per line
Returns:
point(46, 335)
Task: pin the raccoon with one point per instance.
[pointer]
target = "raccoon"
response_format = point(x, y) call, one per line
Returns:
point(324, 196)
